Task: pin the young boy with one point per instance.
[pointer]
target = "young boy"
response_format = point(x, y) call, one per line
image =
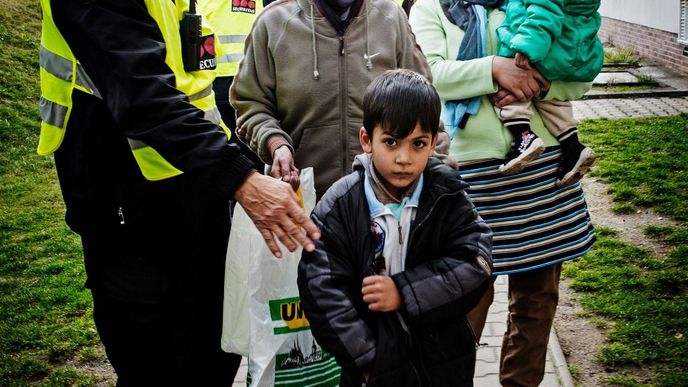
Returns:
point(403, 254)
point(559, 37)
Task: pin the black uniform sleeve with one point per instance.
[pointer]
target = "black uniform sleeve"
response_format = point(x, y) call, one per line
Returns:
point(122, 50)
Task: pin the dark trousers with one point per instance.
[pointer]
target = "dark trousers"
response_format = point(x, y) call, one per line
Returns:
point(157, 281)
point(163, 345)
point(533, 298)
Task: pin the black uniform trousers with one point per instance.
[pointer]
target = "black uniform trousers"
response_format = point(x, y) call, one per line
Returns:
point(154, 253)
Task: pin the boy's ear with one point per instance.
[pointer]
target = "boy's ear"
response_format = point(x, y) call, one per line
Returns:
point(365, 140)
point(434, 141)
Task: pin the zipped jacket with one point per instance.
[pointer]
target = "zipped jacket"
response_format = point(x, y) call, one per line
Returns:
point(446, 272)
point(558, 36)
point(303, 81)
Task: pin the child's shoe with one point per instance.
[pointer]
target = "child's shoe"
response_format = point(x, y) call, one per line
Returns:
point(576, 163)
point(525, 147)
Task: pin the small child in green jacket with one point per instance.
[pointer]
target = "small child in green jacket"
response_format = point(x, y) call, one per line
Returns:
point(558, 38)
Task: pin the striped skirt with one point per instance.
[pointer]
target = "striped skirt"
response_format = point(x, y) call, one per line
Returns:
point(535, 224)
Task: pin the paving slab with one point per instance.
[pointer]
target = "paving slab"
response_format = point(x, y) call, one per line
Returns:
point(615, 77)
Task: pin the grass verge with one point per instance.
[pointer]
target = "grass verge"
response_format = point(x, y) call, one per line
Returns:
point(46, 330)
point(645, 161)
point(621, 55)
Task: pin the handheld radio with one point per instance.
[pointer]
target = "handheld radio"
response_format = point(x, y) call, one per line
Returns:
point(198, 52)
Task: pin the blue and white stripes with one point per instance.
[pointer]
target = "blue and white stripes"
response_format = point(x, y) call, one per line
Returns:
point(535, 224)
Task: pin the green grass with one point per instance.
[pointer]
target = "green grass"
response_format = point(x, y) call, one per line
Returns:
point(46, 328)
point(645, 161)
point(612, 87)
point(645, 297)
point(621, 55)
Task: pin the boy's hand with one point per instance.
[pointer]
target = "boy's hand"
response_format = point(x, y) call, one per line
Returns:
point(522, 61)
point(381, 294)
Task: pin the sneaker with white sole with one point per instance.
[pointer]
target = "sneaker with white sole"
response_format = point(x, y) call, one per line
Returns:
point(574, 167)
point(530, 147)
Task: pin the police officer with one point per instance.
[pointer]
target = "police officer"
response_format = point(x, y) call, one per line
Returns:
point(147, 172)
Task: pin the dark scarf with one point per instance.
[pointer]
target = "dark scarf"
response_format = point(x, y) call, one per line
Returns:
point(339, 12)
point(461, 14)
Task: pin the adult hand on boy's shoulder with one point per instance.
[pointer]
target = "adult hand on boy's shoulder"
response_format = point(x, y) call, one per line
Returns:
point(381, 293)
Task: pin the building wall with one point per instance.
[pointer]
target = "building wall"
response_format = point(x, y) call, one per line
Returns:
point(652, 43)
point(659, 14)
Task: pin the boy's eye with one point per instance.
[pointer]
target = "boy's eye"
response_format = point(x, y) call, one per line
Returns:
point(390, 141)
point(419, 144)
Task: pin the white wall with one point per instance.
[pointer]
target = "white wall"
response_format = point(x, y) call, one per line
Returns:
point(660, 14)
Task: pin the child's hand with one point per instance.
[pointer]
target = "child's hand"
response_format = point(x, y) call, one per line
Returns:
point(381, 294)
point(522, 61)
point(502, 98)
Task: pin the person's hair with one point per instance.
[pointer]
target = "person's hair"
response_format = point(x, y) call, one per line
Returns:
point(399, 99)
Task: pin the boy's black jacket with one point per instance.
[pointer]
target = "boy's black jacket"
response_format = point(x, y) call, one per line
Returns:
point(448, 267)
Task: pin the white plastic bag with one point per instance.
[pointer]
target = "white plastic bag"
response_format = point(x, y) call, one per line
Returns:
point(235, 323)
point(263, 317)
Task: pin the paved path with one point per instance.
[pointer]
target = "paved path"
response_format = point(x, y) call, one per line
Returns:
point(556, 370)
point(487, 362)
point(624, 108)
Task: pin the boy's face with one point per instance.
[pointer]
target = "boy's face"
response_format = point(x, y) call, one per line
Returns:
point(399, 161)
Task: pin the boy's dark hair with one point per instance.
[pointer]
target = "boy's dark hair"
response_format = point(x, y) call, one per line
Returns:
point(399, 99)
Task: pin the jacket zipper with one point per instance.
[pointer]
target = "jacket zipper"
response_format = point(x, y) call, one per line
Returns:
point(120, 213)
point(401, 238)
point(343, 95)
point(413, 232)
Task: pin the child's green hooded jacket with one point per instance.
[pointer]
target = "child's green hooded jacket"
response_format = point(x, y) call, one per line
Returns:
point(558, 36)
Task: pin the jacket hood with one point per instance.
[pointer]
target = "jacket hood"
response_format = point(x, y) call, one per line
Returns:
point(308, 7)
point(361, 162)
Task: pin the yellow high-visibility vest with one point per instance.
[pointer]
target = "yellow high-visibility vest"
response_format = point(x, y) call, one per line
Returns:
point(61, 74)
point(232, 21)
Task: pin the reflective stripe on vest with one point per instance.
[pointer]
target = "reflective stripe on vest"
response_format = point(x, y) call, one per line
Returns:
point(232, 22)
point(226, 40)
point(152, 164)
point(53, 113)
point(61, 74)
